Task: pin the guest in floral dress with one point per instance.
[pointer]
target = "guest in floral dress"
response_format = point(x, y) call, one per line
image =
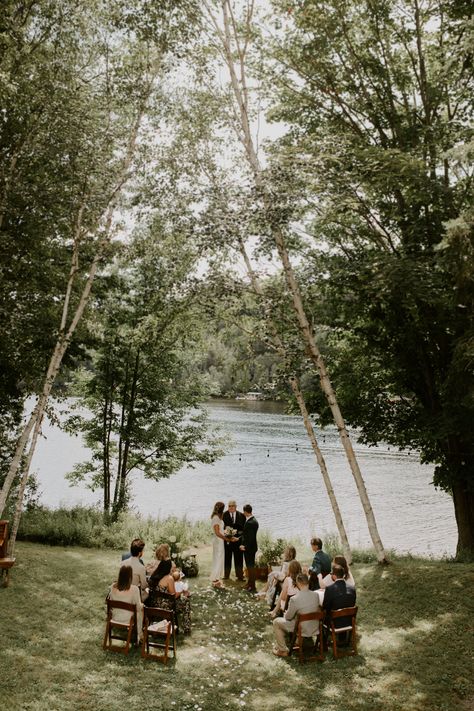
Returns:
point(161, 582)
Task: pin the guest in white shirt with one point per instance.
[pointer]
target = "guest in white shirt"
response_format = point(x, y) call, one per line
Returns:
point(326, 581)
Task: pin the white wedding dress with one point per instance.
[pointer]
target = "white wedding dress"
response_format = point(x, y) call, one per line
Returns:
point(217, 571)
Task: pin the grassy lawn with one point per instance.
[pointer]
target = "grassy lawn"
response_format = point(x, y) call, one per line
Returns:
point(416, 622)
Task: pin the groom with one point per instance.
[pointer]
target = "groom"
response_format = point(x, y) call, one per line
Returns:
point(249, 546)
point(236, 520)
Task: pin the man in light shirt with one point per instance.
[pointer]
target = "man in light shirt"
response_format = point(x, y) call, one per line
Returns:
point(139, 577)
point(303, 602)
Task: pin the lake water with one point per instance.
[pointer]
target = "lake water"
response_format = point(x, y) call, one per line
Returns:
point(271, 466)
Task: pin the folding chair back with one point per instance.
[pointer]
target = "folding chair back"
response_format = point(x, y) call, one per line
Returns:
point(6, 561)
point(112, 627)
point(158, 629)
point(349, 628)
point(297, 641)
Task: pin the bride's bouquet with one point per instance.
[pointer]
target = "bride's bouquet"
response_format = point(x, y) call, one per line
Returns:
point(229, 532)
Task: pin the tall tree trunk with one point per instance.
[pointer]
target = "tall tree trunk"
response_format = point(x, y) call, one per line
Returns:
point(65, 336)
point(123, 472)
point(463, 500)
point(232, 47)
point(295, 386)
point(22, 487)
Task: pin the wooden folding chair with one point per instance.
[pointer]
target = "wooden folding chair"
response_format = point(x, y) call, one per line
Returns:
point(349, 612)
point(158, 630)
point(167, 601)
point(112, 626)
point(297, 640)
point(6, 562)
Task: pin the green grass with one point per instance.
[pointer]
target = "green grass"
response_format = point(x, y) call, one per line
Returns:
point(415, 624)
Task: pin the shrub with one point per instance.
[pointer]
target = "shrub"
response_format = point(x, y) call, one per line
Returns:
point(270, 549)
point(85, 526)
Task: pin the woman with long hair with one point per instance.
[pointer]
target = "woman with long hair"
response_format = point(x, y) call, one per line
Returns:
point(162, 586)
point(277, 576)
point(124, 591)
point(218, 542)
point(327, 580)
point(162, 552)
point(288, 589)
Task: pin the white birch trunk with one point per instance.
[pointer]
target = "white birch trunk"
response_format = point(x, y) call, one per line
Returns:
point(294, 384)
point(65, 336)
point(231, 46)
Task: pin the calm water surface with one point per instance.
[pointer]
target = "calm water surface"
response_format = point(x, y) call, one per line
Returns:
point(270, 465)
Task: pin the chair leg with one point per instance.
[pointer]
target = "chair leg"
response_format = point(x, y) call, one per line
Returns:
point(334, 643)
point(354, 638)
point(106, 636)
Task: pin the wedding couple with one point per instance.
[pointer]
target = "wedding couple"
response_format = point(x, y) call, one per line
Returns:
point(235, 535)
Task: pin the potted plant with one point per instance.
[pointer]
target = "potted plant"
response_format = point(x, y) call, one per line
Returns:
point(270, 552)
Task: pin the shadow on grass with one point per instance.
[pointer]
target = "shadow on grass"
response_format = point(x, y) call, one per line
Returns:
point(415, 629)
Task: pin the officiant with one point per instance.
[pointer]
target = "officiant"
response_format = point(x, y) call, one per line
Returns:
point(236, 520)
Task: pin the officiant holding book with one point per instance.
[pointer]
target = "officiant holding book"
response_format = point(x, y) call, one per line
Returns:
point(235, 520)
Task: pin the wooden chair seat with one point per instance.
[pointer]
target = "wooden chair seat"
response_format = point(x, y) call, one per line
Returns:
point(297, 640)
point(112, 626)
point(334, 631)
point(157, 635)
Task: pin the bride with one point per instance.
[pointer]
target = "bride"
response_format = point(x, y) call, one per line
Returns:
point(218, 543)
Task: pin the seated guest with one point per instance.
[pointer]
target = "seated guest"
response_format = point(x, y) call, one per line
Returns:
point(276, 576)
point(179, 584)
point(327, 580)
point(321, 563)
point(139, 577)
point(162, 581)
point(162, 552)
point(339, 595)
point(125, 591)
point(127, 555)
point(304, 602)
point(288, 589)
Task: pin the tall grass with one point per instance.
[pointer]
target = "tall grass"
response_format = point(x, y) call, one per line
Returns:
point(85, 526)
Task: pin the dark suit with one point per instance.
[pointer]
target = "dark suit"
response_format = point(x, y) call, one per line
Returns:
point(249, 540)
point(233, 549)
point(337, 596)
point(321, 564)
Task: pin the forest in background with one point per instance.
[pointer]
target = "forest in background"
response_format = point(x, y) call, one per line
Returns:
point(161, 242)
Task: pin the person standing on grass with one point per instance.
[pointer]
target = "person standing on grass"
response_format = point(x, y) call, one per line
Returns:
point(236, 520)
point(249, 546)
point(218, 542)
point(304, 602)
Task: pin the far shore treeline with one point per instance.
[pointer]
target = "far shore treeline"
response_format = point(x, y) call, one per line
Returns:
point(209, 199)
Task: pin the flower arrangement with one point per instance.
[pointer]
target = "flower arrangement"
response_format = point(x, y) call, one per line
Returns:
point(186, 561)
point(229, 532)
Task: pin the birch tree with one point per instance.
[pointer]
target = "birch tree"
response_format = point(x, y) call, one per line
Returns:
point(379, 99)
point(234, 38)
point(121, 60)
